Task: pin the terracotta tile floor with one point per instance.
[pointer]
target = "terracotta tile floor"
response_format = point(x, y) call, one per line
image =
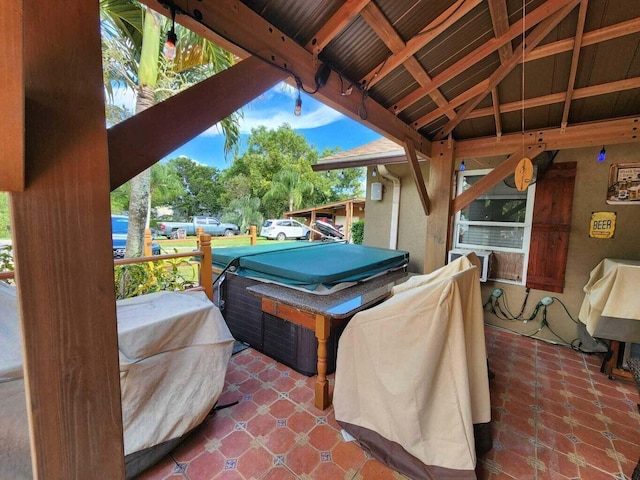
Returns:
point(555, 416)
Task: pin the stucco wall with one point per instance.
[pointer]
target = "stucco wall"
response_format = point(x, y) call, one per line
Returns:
point(584, 252)
point(412, 228)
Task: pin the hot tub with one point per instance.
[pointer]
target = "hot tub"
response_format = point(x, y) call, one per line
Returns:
point(325, 269)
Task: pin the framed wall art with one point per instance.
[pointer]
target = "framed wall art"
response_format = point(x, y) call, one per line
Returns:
point(624, 184)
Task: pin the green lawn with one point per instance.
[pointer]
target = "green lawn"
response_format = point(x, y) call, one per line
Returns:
point(168, 246)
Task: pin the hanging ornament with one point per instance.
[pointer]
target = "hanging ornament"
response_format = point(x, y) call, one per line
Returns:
point(523, 174)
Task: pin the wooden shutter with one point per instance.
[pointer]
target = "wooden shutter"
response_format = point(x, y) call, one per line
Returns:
point(551, 228)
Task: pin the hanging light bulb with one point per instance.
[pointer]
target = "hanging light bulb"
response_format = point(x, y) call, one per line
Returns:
point(297, 111)
point(169, 49)
point(603, 155)
point(463, 167)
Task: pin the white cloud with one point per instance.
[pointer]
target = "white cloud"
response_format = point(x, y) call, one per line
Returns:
point(275, 107)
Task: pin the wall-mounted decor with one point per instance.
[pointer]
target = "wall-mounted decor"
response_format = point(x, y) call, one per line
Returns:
point(602, 225)
point(624, 184)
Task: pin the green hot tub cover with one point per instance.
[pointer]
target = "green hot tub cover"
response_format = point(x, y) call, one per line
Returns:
point(315, 267)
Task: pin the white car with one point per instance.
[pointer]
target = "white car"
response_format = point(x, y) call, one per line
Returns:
point(283, 229)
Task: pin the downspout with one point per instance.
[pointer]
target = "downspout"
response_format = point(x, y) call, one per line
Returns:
point(395, 205)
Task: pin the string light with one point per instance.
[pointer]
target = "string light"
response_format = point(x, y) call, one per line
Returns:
point(297, 111)
point(603, 155)
point(169, 49)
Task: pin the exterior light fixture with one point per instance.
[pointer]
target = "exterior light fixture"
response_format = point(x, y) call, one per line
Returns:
point(603, 155)
point(297, 111)
point(463, 167)
point(169, 49)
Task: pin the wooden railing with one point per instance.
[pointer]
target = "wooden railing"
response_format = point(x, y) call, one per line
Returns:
point(203, 251)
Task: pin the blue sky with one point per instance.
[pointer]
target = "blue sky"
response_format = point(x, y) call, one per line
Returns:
point(322, 126)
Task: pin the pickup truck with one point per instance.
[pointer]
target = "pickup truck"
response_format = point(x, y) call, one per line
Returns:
point(210, 225)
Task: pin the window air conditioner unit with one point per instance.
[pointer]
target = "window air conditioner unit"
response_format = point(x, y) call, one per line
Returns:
point(485, 259)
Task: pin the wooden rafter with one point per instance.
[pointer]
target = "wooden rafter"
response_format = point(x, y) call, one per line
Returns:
point(347, 12)
point(500, 21)
point(585, 92)
point(499, 173)
point(538, 15)
point(383, 28)
point(590, 38)
point(416, 173)
point(135, 144)
point(254, 34)
point(531, 41)
point(426, 35)
point(577, 44)
point(496, 111)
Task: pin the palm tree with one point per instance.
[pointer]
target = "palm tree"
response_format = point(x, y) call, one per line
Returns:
point(132, 34)
point(289, 185)
point(244, 212)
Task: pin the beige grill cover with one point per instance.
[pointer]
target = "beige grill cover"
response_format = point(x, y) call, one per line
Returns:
point(411, 375)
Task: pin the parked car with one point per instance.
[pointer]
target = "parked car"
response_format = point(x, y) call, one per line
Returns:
point(119, 229)
point(210, 225)
point(284, 228)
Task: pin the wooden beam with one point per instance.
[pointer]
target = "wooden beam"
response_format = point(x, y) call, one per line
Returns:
point(496, 111)
point(533, 39)
point(65, 287)
point(447, 18)
point(252, 33)
point(441, 171)
point(12, 99)
point(538, 15)
point(595, 134)
point(414, 166)
point(345, 14)
point(474, 91)
point(140, 141)
point(592, 91)
point(500, 21)
point(577, 44)
point(498, 174)
point(383, 28)
point(549, 49)
point(590, 38)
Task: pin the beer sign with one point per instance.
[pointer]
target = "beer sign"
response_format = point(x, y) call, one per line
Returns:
point(603, 225)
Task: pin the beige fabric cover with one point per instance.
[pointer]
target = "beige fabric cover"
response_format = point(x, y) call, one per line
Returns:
point(414, 368)
point(611, 306)
point(174, 351)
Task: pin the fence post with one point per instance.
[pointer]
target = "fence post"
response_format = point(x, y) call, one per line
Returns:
point(206, 264)
point(147, 252)
point(253, 232)
point(199, 233)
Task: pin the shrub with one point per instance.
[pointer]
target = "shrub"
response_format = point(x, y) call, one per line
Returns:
point(357, 232)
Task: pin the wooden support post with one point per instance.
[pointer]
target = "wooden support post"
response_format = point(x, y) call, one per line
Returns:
point(323, 328)
point(67, 299)
point(254, 235)
point(206, 274)
point(12, 98)
point(148, 251)
point(441, 173)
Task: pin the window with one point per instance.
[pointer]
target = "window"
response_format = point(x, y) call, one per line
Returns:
point(498, 220)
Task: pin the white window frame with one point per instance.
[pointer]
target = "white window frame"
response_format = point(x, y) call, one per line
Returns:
point(526, 236)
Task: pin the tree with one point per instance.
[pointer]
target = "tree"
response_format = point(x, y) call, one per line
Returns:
point(244, 212)
point(290, 186)
point(271, 151)
point(201, 189)
point(137, 63)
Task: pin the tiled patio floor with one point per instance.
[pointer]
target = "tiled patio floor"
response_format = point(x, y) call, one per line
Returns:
point(555, 416)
